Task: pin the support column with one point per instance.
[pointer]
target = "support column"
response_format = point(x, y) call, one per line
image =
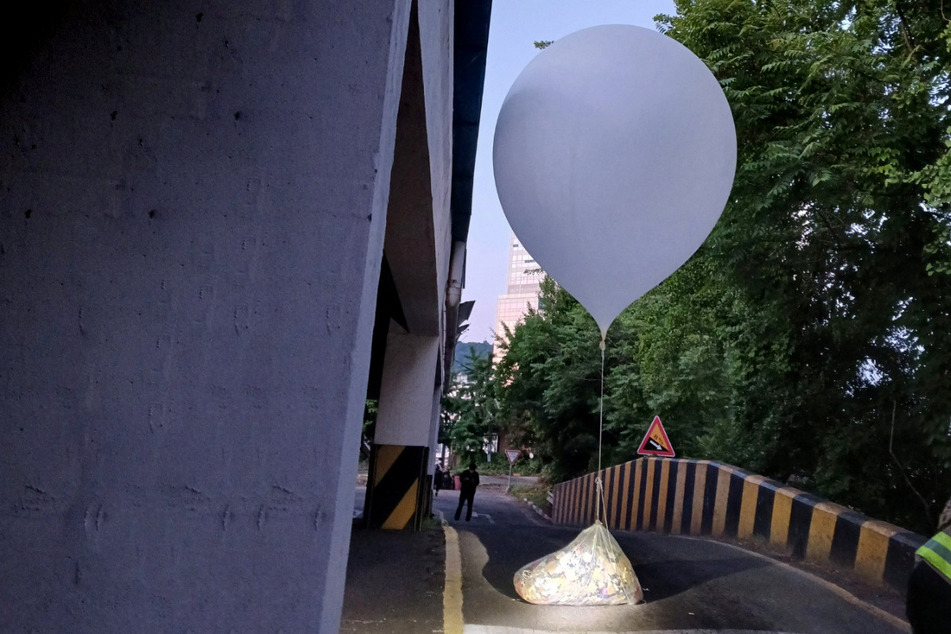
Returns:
point(397, 490)
point(191, 230)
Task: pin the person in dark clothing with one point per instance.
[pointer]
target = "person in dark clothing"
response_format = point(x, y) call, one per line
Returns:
point(438, 479)
point(468, 481)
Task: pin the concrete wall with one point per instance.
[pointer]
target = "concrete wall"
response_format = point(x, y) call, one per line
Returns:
point(698, 497)
point(192, 217)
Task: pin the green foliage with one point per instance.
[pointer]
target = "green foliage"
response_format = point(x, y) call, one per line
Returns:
point(465, 351)
point(836, 226)
point(469, 409)
point(545, 402)
point(807, 339)
point(370, 408)
point(527, 466)
point(537, 494)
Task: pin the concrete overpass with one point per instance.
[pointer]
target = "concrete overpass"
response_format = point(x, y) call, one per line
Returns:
point(222, 226)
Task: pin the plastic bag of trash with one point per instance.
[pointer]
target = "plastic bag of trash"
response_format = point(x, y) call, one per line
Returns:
point(591, 570)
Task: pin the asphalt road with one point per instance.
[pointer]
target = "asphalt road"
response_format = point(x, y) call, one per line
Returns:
point(690, 585)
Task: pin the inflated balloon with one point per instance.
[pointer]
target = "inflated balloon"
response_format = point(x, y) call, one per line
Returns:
point(614, 156)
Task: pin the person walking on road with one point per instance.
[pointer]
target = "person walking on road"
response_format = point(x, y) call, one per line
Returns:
point(929, 587)
point(438, 478)
point(468, 481)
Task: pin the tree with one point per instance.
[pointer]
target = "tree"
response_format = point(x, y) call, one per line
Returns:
point(535, 413)
point(469, 409)
point(830, 244)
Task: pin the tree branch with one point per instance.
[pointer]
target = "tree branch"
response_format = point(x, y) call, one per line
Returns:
point(891, 438)
point(906, 31)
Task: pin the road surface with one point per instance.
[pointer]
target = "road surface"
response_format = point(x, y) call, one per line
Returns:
point(690, 585)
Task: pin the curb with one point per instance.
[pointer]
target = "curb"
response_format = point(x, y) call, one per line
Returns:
point(538, 510)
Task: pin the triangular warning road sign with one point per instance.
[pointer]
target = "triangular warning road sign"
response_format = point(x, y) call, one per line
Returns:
point(656, 443)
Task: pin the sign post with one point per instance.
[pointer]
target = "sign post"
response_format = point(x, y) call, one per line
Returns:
point(656, 442)
point(512, 455)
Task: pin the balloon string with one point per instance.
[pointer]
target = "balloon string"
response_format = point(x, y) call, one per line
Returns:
point(599, 500)
point(600, 488)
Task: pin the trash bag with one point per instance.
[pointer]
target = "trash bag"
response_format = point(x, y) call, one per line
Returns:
point(591, 570)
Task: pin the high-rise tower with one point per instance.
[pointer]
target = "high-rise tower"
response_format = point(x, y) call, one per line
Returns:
point(522, 290)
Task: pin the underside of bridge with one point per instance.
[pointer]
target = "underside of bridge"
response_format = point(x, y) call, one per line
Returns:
point(201, 205)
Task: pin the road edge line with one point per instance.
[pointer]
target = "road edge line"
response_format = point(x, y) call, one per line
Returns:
point(452, 592)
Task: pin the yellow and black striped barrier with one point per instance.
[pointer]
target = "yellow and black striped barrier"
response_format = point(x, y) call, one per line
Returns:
point(699, 497)
point(397, 488)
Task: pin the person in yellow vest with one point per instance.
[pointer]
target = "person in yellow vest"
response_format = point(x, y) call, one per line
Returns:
point(929, 588)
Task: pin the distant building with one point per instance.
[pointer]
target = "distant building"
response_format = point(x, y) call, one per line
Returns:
point(523, 288)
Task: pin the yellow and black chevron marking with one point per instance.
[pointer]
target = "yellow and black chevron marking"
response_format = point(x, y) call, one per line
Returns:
point(699, 497)
point(396, 487)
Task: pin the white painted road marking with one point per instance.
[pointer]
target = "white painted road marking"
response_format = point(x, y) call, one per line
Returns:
point(485, 515)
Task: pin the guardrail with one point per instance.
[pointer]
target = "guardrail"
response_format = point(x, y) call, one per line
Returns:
point(700, 497)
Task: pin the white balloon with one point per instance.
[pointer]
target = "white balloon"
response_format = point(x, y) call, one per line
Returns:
point(614, 156)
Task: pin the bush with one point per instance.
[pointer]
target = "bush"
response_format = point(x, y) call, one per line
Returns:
point(537, 494)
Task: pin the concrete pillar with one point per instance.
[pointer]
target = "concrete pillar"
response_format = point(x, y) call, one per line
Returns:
point(397, 490)
point(191, 224)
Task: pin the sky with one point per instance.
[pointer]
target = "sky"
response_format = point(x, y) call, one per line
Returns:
point(514, 27)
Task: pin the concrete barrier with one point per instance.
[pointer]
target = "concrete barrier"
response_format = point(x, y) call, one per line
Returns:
point(699, 497)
